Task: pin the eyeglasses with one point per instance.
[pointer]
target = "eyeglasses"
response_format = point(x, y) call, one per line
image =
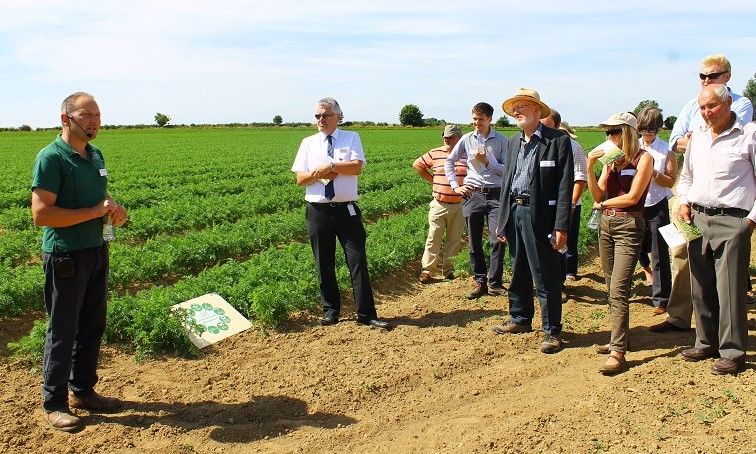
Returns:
point(711, 76)
point(648, 130)
point(613, 132)
point(324, 116)
point(520, 107)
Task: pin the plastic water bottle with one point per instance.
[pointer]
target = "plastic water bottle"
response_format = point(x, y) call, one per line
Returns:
point(552, 240)
point(108, 230)
point(593, 222)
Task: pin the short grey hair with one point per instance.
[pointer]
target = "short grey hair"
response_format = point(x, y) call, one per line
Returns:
point(720, 91)
point(69, 104)
point(330, 102)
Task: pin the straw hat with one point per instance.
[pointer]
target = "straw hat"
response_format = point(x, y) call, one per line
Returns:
point(525, 94)
point(564, 126)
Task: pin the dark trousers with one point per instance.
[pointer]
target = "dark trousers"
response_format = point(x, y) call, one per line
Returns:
point(534, 262)
point(326, 223)
point(76, 306)
point(653, 243)
point(569, 261)
point(479, 209)
point(719, 281)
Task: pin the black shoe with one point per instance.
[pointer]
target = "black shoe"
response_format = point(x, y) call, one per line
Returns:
point(329, 320)
point(376, 323)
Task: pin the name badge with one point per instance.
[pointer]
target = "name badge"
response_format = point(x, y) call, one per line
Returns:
point(552, 202)
point(103, 172)
point(350, 208)
point(548, 164)
point(628, 172)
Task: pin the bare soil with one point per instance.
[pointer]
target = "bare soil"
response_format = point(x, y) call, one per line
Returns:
point(440, 382)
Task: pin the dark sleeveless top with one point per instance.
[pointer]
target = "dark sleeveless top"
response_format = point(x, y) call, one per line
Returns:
point(619, 182)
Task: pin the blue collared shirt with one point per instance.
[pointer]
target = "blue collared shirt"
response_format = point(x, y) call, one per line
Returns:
point(479, 175)
point(525, 163)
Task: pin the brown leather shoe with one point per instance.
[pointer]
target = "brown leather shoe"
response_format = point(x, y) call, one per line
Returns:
point(511, 327)
point(63, 420)
point(724, 366)
point(477, 291)
point(665, 326)
point(613, 368)
point(551, 343)
point(95, 402)
point(449, 275)
point(425, 277)
point(699, 354)
point(658, 311)
point(497, 291)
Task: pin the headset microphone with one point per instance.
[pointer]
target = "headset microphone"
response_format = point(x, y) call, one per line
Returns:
point(88, 134)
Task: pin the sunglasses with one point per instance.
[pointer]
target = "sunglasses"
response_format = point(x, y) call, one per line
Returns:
point(324, 116)
point(711, 76)
point(613, 132)
point(648, 130)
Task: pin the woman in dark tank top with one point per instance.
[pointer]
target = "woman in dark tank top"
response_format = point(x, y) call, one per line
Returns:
point(620, 192)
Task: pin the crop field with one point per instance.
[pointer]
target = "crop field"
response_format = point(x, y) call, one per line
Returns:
point(215, 210)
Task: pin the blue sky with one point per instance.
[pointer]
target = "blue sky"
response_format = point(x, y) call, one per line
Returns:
point(247, 61)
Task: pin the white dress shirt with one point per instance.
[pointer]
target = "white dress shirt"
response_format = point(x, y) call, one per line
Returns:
point(721, 173)
point(659, 150)
point(313, 151)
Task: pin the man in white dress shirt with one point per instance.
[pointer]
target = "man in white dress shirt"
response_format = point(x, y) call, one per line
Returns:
point(327, 165)
point(717, 191)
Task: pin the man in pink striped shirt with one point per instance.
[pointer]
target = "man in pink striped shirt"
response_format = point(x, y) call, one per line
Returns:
point(445, 214)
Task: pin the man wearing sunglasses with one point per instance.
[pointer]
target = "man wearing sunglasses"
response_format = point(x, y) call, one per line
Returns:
point(327, 165)
point(715, 69)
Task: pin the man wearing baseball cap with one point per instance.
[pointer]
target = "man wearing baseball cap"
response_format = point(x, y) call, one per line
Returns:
point(445, 213)
point(534, 217)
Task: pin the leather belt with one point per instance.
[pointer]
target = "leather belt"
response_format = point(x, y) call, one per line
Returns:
point(484, 190)
point(333, 204)
point(710, 211)
point(611, 212)
point(521, 200)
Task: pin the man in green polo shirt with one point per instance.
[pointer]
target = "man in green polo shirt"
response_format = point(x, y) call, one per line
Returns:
point(70, 198)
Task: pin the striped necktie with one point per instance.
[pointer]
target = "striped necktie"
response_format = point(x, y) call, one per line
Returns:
point(330, 193)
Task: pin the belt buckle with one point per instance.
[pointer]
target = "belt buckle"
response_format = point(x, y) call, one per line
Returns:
point(519, 201)
point(612, 210)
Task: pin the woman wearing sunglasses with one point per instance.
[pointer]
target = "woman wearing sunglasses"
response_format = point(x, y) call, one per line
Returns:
point(656, 210)
point(620, 192)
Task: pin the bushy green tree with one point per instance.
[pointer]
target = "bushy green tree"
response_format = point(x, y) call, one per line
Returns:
point(278, 120)
point(643, 104)
point(411, 115)
point(669, 122)
point(750, 93)
point(162, 119)
point(503, 122)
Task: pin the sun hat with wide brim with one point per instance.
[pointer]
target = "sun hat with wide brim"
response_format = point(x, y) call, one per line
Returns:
point(564, 126)
point(620, 118)
point(525, 94)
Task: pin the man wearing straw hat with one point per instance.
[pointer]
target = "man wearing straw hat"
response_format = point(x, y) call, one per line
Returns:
point(534, 217)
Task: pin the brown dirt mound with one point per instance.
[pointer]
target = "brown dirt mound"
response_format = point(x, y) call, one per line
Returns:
point(439, 382)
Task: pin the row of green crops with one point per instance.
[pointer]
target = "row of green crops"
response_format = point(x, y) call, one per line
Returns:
point(216, 210)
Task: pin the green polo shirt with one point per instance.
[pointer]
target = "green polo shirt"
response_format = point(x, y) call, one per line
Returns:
point(78, 183)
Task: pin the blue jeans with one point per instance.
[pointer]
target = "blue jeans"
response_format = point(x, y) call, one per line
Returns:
point(534, 262)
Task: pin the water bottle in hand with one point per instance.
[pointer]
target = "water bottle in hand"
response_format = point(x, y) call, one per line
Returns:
point(593, 222)
point(108, 230)
point(552, 240)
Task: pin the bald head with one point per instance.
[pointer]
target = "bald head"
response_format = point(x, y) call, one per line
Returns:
point(715, 101)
